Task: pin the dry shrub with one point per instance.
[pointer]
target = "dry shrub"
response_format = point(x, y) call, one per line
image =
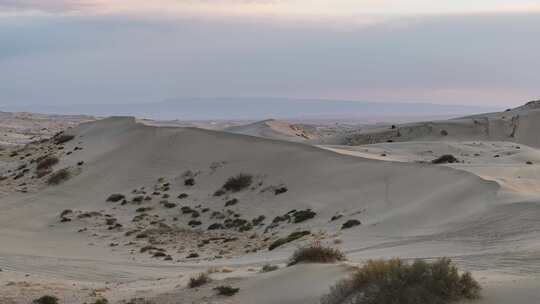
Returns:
point(47, 162)
point(445, 159)
point(395, 281)
point(46, 300)
point(316, 254)
point(226, 290)
point(199, 280)
point(59, 177)
point(238, 183)
point(62, 138)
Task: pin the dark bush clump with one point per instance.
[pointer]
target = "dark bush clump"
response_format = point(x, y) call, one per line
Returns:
point(444, 133)
point(183, 195)
point(316, 254)
point(350, 223)
point(445, 159)
point(238, 183)
point(269, 268)
point(116, 197)
point(199, 280)
point(290, 238)
point(231, 202)
point(219, 192)
point(280, 190)
point(215, 226)
point(46, 300)
point(101, 301)
point(62, 138)
point(303, 215)
point(47, 162)
point(395, 281)
point(59, 176)
point(227, 291)
point(189, 182)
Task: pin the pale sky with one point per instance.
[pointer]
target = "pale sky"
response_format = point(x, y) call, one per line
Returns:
point(482, 52)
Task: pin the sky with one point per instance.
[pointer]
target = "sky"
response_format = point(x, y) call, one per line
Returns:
point(475, 52)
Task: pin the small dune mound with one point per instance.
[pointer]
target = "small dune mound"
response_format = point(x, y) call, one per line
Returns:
point(395, 281)
point(316, 254)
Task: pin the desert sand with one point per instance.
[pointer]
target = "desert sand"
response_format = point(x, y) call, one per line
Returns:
point(68, 240)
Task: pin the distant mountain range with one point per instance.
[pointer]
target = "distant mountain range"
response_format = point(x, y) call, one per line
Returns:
point(255, 108)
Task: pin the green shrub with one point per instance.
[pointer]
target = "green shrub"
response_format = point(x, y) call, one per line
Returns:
point(238, 183)
point(199, 280)
point(316, 254)
point(395, 281)
point(46, 300)
point(227, 290)
point(101, 301)
point(59, 177)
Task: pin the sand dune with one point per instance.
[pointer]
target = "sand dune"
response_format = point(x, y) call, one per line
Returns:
point(408, 209)
point(516, 125)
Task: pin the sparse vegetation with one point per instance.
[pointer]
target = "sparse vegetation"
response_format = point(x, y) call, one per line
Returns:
point(395, 281)
point(290, 238)
point(316, 254)
point(445, 159)
point(59, 177)
point(101, 301)
point(199, 280)
point(231, 202)
point(444, 133)
point(46, 300)
point(226, 290)
point(238, 183)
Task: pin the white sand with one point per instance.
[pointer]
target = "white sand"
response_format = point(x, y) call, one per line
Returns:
point(407, 209)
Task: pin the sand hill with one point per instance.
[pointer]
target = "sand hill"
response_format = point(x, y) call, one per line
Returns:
point(515, 125)
point(173, 217)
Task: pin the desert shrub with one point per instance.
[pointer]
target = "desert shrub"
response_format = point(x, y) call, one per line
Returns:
point(101, 301)
point(238, 183)
point(303, 215)
point(280, 190)
point(62, 138)
point(47, 162)
point(444, 133)
point(215, 226)
point(116, 197)
point(445, 159)
point(192, 256)
point(269, 268)
point(189, 182)
point(316, 254)
point(199, 280)
point(59, 177)
point(290, 238)
point(231, 202)
point(219, 192)
point(395, 281)
point(46, 300)
point(226, 290)
point(350, 223)
point(168, 205)
point(183, 195)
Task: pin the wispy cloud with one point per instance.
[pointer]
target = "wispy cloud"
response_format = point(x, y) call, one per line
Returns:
point(298, 8)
